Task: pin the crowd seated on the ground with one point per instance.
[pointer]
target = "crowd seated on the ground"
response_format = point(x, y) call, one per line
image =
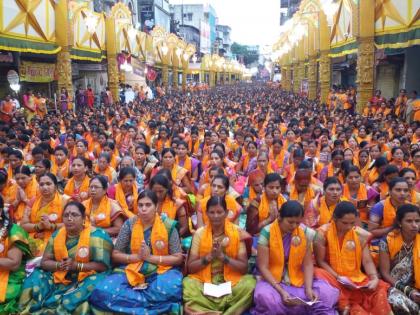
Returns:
point(242, 199)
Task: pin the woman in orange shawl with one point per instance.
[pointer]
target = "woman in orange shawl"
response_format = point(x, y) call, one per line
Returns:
point(104, 168)
point(26, 192)
point(204, 190)
point(148, 250)
point(78, 186)
point(102, 211)
point(126, 191)
point(61, 164)
point(75, 260)
point(45, 216)
point(363, 162)
point(398, 158)
point(411, 178)
point(285, 263)
point(14, 252)
point(248, 160)
point(341, 249)
point(168, 206)
point(381, 185)
point(179, 174)
point(399, 261)
point(320, 210)
point(219, 187)
point(218, 255)
point(264, 209)
point(278, 156)
point(183, 160)
point(8, 187)
point(334, 167)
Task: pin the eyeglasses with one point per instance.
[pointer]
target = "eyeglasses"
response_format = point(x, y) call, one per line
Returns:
point(71, 215)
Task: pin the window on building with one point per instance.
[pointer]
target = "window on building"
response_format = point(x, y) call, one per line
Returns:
point(188, 16)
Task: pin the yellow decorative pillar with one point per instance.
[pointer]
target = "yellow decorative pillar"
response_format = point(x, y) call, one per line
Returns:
point(111, 55)
point(212, 78)
point(324, 75)
point(301, 74)
point(312, 69)
point(184, 79)
point(64, 70)
point(366, 53)
point(283, 71)
point(324, 58)
point(312, 64)
point(175, 77)
point(62, 27)
point(301, 63)
point(165, 75)
point(296, 79)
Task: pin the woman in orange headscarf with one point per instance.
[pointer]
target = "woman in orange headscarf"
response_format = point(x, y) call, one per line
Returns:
point(218, 255)
point(341, 249)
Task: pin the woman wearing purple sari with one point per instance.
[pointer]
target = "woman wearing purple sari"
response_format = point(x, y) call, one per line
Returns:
point(285, 263)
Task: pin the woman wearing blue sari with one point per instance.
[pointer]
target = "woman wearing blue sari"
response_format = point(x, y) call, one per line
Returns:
point(147, 249)
point(76, 257)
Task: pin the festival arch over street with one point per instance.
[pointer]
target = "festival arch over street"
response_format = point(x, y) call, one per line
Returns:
point(150, 163)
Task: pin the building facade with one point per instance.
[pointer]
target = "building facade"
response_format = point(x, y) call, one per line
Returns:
point(369, 44)
point(154, 13)
point(287, 9)
point(200, 16)
point(223, 36)
point(67, 43)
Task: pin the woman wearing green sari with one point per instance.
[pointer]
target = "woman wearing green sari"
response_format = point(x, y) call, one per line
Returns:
point(76, 257)
point(218, 256)
point(14, 249)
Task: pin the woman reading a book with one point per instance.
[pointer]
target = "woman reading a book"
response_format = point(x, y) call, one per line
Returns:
point(341, 249)
point(285, 263)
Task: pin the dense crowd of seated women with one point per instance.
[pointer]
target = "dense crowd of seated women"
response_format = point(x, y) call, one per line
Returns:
point(238, 200)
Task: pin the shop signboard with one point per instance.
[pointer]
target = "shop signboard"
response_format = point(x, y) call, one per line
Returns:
point(37, 72)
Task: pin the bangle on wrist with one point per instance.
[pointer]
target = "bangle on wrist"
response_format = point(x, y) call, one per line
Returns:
point(127, 257)
point(160, 260)
point(81, 267)
point(57, 264)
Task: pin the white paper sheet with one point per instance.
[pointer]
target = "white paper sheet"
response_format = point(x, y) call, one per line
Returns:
point(217, 290)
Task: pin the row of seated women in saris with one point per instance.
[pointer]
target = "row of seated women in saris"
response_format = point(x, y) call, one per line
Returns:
point(75, 273)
